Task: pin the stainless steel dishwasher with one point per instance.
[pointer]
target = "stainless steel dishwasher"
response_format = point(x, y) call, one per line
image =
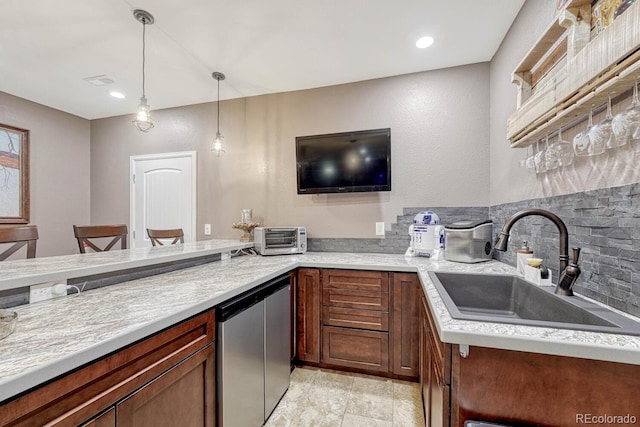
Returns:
point(253, 353)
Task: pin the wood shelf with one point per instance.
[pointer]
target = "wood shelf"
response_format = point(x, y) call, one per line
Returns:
point(584, 78)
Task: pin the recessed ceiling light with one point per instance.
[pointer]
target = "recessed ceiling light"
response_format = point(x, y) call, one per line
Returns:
point(115, 94)
point(424, 42)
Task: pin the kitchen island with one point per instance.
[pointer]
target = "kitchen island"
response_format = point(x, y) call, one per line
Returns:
point(57, 336)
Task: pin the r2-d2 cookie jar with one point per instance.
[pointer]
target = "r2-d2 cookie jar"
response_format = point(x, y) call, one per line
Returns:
point(427, 236)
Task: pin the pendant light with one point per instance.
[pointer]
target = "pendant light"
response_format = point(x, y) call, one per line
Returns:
point(218, 146)
point(143, 116)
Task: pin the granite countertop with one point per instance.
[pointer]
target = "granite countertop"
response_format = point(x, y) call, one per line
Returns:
point(56, 336)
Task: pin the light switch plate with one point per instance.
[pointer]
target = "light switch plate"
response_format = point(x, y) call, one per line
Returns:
point(379, 228)
point(207, 229)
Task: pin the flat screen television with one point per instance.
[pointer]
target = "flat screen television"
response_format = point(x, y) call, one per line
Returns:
point(344, 162)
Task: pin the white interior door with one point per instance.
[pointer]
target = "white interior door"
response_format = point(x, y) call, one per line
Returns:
point(163, 195)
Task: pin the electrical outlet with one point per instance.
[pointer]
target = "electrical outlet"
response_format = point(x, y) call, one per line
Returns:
point(379, 228)
point(207, 229)
point(45, 291)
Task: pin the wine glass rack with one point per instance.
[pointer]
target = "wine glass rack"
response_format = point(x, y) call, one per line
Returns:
point(566, 73)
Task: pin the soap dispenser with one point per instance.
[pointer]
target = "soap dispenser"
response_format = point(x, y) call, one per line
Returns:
point(523, 254)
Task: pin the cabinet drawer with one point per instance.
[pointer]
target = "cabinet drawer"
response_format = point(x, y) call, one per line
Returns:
point(347, 298)
point(356, 348)
point(354, 318)
point(376, 281)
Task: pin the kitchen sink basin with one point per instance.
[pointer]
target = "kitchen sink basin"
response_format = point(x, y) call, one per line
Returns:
point(511, 299)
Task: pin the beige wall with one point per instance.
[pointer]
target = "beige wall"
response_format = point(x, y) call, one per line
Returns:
point(510, 182)
point(59, 151)
point(439, 124)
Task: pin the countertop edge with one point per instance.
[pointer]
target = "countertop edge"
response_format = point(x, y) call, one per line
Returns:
point(33, 279)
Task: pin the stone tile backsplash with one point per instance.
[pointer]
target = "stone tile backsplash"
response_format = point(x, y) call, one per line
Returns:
point(396, 240)
point(605, 223)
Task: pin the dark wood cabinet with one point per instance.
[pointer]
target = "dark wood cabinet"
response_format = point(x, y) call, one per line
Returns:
point(355, 319)
point(356, 348)
point(165, 369)
point(308, 314)
point(406, 324)
point(435, 369)
point(365, 320)
point(107, 419)
point(521, 388)
point(182, 396)
point(425, 361)
point(439, 395)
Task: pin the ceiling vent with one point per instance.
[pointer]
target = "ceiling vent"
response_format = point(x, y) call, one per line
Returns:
point(102, 80)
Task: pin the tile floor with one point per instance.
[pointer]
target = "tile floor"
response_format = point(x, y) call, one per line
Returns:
point(321, 397)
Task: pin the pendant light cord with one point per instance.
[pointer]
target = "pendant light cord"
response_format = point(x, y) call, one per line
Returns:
point(218, 106)
point(144, 26)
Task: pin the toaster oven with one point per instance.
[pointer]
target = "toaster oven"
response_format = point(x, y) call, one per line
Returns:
point(280, 240)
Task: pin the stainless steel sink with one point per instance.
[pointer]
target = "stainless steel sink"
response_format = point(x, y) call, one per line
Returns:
point(510, 299)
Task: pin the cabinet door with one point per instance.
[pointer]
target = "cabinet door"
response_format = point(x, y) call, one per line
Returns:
point(356, 348)
point(406, 324)
point(439, 396)
point(182, 396)
point(108, 419)
point(308, 316)
point(425, 365)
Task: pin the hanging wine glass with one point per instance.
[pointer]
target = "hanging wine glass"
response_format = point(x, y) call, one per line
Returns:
point(529, 163)
point(523, 162)
point(564, 150)
point(635, 114)
point(581, 141)
point(601, 135)
point(626, 124)
point(551, 155)
point(540, 160)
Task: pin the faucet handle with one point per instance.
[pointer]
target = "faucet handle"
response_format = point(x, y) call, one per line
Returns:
point(576, 255)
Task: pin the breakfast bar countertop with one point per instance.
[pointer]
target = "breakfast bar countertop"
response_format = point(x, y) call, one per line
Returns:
point(26, 272)
point(56, 336)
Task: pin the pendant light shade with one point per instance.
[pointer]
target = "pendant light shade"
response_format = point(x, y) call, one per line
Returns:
point(143, 116)
point(218, 145)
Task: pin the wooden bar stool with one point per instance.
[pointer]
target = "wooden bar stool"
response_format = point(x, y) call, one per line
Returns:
point(155, 235)
point(20, 236)
point(86, 232)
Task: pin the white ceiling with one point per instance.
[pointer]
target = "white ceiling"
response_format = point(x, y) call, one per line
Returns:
point(48, 47)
